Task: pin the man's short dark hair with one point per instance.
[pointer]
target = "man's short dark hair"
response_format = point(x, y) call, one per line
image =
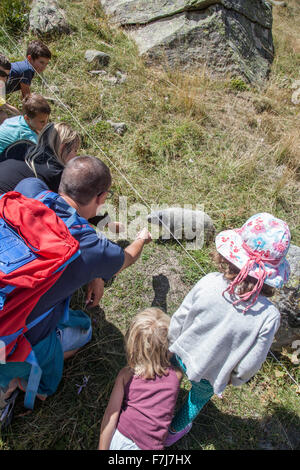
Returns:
point(4, 62)
point(35, 104)
point(84, 178)
point(38, 49)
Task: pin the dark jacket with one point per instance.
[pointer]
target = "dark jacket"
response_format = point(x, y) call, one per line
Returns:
point(48, 169)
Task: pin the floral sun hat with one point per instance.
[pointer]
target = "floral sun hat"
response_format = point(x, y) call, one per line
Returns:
point(259, 250)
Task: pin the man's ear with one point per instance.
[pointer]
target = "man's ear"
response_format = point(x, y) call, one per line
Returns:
point(27, 119)
point(101, 199)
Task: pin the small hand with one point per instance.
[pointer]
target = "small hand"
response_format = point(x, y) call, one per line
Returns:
point(144, 235)
point(95, 292)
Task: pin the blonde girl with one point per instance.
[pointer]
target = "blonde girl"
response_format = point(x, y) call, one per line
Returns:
point(142, 402)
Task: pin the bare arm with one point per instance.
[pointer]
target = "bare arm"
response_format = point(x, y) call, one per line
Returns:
point(179, 374)
point(112, 412)
point(134, 250)
point(25, 89)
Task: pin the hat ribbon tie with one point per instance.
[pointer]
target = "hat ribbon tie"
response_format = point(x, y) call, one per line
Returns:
point(254, 257)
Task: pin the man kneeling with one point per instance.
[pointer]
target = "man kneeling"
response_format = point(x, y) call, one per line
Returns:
point(84, 186)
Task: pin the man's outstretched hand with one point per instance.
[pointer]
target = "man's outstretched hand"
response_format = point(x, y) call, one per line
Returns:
point(144, 235)
point(95, 290)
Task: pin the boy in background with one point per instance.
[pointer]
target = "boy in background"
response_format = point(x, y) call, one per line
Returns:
point(36, 111)
point(5, 108)
point(21, 74)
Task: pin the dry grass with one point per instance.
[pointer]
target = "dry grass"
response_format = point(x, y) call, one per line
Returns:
point(192, 138)
point(288, 150)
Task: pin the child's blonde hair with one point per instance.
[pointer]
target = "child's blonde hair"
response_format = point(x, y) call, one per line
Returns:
point(147, 343)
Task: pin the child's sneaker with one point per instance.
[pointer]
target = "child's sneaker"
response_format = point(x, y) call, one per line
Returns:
point(173, 437)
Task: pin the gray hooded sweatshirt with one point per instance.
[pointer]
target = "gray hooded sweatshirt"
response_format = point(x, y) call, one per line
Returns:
point(215, 340)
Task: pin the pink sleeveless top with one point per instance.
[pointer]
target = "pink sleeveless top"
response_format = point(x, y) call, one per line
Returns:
point(147, 410)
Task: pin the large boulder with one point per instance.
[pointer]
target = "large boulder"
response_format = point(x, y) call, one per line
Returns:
point(97, 57)
point(232, 36)
point(142, 11)
point(287, 301)
point(47, 18)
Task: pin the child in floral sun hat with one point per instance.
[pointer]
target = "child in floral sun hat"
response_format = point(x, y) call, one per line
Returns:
point(223, 330)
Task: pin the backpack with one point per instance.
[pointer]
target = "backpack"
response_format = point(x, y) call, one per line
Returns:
point(35, 248)
point(17, 150)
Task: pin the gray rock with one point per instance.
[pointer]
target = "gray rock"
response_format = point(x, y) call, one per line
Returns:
point(99, 57)
point(55, 92)
point(180, 223)
point(54, 89)
point(232, 36)
point(118, 78)
point(277, 4)
point(296, 95)
point(97, 120)
point(122, 77)
point(134, 12)
point(293, 258)
point(98, 72)
point(47, 18)
point(111, 80)
point(287, 301)
point(119, 127)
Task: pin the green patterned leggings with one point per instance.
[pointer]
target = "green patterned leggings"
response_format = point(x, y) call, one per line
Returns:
point(200, 393)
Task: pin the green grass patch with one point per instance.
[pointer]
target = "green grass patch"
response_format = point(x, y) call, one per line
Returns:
point(14, 18)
